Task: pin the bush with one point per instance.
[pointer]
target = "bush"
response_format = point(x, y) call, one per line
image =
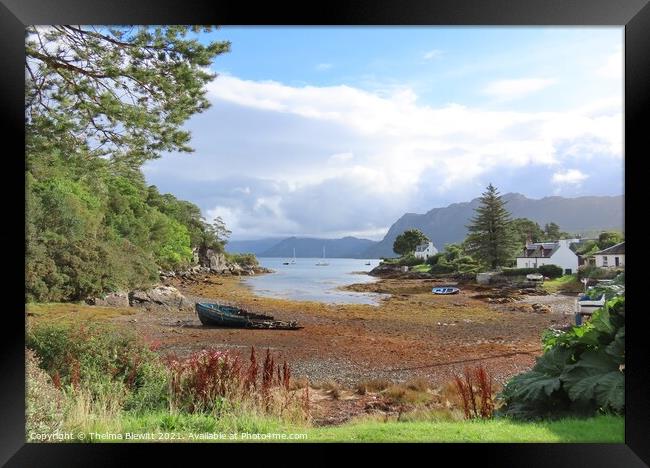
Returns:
point(441, 269)
point(44, 401)
point(434, 259)
point(474, 389)
point(410, 260)
point(594, 272)
point(551, 271)
point(102, 361)
point(580, 373)
point(245, 260)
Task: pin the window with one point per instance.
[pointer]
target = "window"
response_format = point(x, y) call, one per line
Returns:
point(616, 261)
point(604, 260)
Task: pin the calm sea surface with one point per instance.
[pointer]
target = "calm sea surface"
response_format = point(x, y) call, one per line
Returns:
point(305, 281)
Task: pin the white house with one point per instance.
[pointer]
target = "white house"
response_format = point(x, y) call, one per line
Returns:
point(425, 250)
point(549, 253)
point(611, 257)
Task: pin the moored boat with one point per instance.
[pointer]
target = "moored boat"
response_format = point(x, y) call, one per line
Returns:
point(445, 290)
point(213, 314)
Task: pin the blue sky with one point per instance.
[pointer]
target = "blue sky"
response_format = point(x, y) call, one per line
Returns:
point(325, 131)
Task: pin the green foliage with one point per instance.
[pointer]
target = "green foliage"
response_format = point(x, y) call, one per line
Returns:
point(102, 361)
point(594, 272)
point(44, 402)
point(125, 92)
point(407, 241)
point(609, 238)
point(525, 229)
point(550, 271)
point(245, 260)
point(552, 232)
point(409, 260)
point(580, 372)
point(99, 103)
point(491, 239)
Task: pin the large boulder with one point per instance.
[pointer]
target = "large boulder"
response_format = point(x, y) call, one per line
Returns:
point(218, 263)
point(167, 296)
point(113, 299)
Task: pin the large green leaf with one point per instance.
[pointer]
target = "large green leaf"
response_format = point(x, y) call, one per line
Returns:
point(589, 377)
point(534, 385)
point(610, 391)
point(616, 348)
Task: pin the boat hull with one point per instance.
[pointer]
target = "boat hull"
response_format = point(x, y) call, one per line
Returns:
point(228, 316)
point(445, 291)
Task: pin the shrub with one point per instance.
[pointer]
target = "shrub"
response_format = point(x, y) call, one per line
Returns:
point(551, 271)
point(410, 260)
point(441, 269)
point(101, 360)
point(245, 260)
point(474, 389)
point(218, 382)
point(434, 259)
point(44, 401)
point(373, 385)
point(594, 272)
point(580, 373)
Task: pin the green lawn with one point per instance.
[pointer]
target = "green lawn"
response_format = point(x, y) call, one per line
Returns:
point(422, 268)
point(602, 429)
point(566, 283)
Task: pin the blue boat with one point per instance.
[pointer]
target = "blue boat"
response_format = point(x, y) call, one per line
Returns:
point(212, 314)
point(445, 290)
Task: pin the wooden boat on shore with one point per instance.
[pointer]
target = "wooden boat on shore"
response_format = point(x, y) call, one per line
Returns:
point(219, 315)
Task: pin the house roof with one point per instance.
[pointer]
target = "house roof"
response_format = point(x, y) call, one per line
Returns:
point(539, 250)
point(422, 247)
point(613, 250)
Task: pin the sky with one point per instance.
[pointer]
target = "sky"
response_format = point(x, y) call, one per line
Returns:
point(335, 131)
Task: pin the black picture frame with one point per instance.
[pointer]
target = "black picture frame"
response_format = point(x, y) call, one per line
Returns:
point(634, 15)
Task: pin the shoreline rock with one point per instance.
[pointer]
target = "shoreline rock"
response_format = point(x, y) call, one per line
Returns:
point(161, 295)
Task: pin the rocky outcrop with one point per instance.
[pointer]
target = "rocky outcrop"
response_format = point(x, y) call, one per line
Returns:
point(166, 296)
point(113, 299)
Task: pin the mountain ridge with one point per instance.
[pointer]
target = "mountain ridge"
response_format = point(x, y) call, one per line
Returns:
point(446, 225)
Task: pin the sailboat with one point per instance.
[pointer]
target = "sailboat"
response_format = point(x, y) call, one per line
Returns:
point(293, 260)
point(323, 262)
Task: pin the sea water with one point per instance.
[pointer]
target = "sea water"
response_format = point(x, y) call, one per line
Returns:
point(304, 280)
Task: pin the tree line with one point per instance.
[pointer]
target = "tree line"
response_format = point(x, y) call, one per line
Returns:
point(494, 239)
point(99, 103)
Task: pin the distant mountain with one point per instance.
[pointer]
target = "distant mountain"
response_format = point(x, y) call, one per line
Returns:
point(347, 247)
point(251, 246)
point(447, 225)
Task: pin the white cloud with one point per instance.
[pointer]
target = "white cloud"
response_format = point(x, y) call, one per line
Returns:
point(341, 157)
point(275, 159)
point(507, 90)
point(569, 176)
point(323, 66)
point(433, 54)
point(613, 67)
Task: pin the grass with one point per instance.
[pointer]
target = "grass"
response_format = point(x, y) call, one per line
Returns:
point(422, 268)
point(566, 283)
point(187, 427)
point(67, 312)
point(601, 429)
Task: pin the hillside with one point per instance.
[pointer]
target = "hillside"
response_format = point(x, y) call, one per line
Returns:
point(347, 247)
point(252, 246)
point(448, 224)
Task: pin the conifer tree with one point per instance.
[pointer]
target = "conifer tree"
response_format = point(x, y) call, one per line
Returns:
point(491, 238)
